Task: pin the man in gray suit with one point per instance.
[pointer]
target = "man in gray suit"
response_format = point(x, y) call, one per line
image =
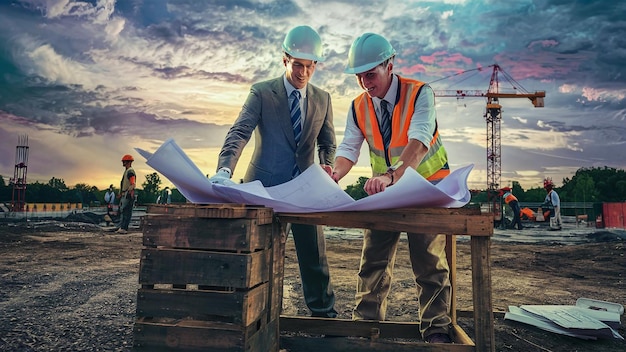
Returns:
point(285, 147)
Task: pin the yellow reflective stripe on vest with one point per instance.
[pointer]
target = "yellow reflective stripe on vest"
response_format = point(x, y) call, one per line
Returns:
point(434, 165)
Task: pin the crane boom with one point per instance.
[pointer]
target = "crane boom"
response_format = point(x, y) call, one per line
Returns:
point(536, 98)
point(493, 117)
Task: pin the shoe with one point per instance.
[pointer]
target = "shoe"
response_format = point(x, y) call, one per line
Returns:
point(438, 338)
point(121, 231)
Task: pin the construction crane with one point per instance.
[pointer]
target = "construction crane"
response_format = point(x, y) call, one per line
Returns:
point(493, 117)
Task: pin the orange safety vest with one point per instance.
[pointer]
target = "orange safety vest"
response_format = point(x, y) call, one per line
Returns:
point(434, 165)
point(509, 197)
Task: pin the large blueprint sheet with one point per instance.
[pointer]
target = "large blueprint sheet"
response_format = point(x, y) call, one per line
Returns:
point(311, 191)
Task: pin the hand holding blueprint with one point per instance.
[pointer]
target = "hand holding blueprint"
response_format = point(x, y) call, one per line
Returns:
point(312, 191)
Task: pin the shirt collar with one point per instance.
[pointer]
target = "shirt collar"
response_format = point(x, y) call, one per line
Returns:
point(391, 94)
point(289, 88)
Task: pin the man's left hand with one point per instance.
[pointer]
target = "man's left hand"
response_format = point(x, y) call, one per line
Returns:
point(377, 184)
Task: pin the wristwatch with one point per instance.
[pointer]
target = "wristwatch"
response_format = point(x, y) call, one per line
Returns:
point(392, 169)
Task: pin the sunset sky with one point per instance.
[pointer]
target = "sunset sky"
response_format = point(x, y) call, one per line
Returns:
point(89, 81)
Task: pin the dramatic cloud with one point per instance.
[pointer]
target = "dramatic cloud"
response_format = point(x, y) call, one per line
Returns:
point(90, 80)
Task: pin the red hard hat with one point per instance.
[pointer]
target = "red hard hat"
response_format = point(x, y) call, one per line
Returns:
point(547, 182)
point(506, 189)
point(128, 157)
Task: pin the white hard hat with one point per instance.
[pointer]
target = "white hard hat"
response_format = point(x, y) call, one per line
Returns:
point(303, 42)
point(367, 52)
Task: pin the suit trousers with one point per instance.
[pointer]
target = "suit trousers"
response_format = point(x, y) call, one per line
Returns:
point(311, 250)
point(431, 271)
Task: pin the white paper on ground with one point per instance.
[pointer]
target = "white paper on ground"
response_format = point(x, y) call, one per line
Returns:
point(521, 316)
point(602, 306)
point(312, 191)
point(573, 319)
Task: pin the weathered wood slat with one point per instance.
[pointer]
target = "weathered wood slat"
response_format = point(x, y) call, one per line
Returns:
point(215, 211)
point(481, 293)
point(240, 235)
point(354, 344)
point(361, 328)
point(422, 220)
point(238, 307)
point(192, 335)
point(205, 268)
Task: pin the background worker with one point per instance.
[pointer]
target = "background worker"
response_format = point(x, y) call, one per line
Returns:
point(166, 196)
point(511, 200)
point(109, 199)
point(397, 118)
point(127, 193)
point(289, 117)
point(552, 200)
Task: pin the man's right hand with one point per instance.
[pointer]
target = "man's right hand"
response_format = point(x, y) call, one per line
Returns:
point(222, 177)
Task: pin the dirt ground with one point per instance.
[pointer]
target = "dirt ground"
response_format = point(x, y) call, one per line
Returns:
point(72, 287)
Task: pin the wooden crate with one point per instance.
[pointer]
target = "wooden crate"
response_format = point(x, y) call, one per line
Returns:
point(209, 277)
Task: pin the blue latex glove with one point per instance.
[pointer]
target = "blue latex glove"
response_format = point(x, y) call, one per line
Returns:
point(222, 177)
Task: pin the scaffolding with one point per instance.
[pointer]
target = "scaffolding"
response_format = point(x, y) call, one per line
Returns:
point(18, 200)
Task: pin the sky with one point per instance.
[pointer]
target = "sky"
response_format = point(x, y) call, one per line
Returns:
point(89, 81)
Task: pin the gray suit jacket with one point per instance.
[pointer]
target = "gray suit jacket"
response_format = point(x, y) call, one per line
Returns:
point(266, 112)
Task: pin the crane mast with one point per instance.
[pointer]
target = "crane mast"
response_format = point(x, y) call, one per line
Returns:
point(493, 118)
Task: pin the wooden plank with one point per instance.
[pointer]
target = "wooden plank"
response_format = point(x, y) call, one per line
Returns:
point(279, 238)
point(363, 335)
point(227, 211)
point(204, 268)
point(240, 235)
point(451, 257)
point(353, 344)
point(481, 293)
point(460, 336)
point(355, 328)
point(194, 335)
point(238, 307)
point(266, 340)
point(446, 221)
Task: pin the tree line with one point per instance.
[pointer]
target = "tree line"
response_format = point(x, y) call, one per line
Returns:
point(56, 191)
point(594, 185)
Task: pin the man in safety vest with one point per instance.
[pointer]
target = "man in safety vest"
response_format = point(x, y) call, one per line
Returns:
point(397, 118)
point(127, 193)
point(552, 200)
point(511, 200)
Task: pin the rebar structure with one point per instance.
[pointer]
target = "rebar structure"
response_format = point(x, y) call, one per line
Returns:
point(18, 200)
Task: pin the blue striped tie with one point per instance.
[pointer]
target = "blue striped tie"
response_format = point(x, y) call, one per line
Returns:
point(296, 123)
point(385, 124)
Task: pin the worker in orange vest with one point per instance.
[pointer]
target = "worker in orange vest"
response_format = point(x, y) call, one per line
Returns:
point(511, 200)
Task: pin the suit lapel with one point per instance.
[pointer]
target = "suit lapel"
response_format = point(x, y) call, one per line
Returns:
point(311, 112)
point(282, 115)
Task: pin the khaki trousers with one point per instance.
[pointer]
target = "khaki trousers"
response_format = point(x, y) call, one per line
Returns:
point(432, 275)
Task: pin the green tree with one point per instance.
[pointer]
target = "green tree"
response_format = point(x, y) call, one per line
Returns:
point(85, 194)
point(151, 188)
point(6, 191)
point(57, 183)
point(356, 190)
point(518, 191)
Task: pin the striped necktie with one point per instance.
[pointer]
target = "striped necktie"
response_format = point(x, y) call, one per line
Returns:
point(385, 124)
point(296, 123)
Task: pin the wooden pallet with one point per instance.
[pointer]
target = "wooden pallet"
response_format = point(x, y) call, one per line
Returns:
point(211, 279)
